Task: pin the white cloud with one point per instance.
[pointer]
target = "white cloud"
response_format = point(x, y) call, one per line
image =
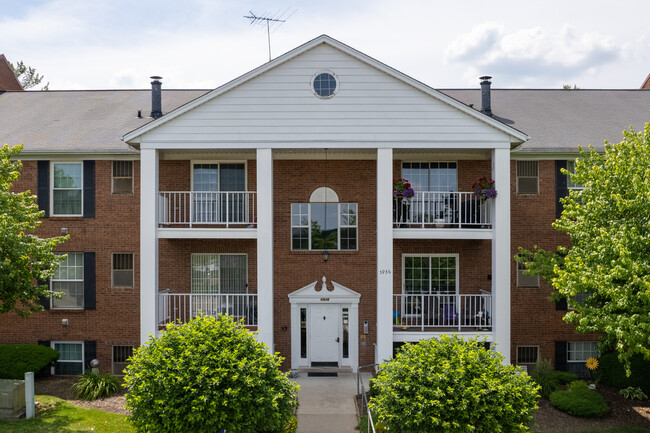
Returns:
point(532, 55)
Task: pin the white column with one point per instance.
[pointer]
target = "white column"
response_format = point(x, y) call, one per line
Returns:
point(384, 254)
point(148, 243)
point(501, 253)
point(265, 247)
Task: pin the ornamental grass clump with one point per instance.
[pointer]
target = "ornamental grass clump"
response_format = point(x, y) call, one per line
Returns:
point(208, 375)
point(92, 385)
point(452, 385)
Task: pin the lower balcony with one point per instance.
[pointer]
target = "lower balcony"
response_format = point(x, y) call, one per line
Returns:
point(442, 313)
point(182, 307)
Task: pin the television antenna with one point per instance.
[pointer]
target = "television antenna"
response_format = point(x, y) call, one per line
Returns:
point(272, 22)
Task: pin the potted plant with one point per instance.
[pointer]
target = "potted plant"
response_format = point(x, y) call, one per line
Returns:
point(484, 189)
point(402, 194)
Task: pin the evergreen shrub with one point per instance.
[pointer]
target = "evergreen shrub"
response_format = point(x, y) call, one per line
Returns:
point(564, 377)
point(612, 372)
point(580, 401)
point(18, 359)
point(207, 375)
point(452, 385)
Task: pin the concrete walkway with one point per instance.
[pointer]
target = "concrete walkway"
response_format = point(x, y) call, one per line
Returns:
point(327, 404)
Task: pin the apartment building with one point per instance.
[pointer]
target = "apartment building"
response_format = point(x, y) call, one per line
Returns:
point(271, 198)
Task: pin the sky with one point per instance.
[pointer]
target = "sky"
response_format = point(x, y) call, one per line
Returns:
point(115, 44)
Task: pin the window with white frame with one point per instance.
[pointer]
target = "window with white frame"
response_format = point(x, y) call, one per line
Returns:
point(67, 188)
point(219, 193)
point(219, 273)
point(571, 168)
point(524, 280)
point(527, 177)
point(68, 280)
point(121, 355)
point(324, 226)
point(71, 357)
point(431, 176)
point(527, 354)
point(579, 351)
point(122, 272)
point(430, 274)
point(122, 177)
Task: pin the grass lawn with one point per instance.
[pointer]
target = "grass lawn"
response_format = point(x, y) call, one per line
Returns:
point(56, 415)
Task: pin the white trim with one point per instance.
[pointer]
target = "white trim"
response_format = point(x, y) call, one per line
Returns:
point(123, 177)
point(149, 260)
point(442, 233)
point(83, 355)
point(218, 162)
point(339, 226)
point(338, 295)
point(52, 214)
point(265, 268)
point(207, 233)
point(83, 281)
point(517, 177)
point(454, 255)
point(324, 195)
point(385, 271)
point(501, 253)
point(515, 136)
point(447, 141)
point(313, 89)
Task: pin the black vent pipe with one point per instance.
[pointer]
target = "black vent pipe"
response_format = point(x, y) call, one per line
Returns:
point(486, 104)
point(156, 97)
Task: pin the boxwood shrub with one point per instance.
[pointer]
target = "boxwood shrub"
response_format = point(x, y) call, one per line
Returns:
point(580, 401)
point(209, 374)
point(612, 373)
point(18, 359)
point(452, 385)
point(564, 377)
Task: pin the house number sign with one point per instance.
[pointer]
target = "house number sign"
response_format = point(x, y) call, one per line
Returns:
point(324, 299)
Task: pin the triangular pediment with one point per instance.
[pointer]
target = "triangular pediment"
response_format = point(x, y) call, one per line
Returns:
point(324, 292)
point(275, 105)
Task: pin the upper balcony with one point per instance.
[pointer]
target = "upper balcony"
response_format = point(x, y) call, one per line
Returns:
point(457, 215)
point(190, 214)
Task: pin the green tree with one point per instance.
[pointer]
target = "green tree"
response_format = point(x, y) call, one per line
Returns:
point(25, 259)
point(605, 272)
point(28, 76)
point(207, 375)
point(452, 385)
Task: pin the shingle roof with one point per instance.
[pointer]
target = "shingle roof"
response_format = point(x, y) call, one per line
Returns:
point(558, 121)
point(79, 121)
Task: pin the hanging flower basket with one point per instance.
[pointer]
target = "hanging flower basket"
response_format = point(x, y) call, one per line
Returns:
point(484, 189)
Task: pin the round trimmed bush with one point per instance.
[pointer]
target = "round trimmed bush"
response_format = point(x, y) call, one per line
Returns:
point(18, 359)
point(580, 401)
point(452, 385)
point(209, 374)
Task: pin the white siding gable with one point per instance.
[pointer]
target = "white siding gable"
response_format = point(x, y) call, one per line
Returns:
point(279, 109)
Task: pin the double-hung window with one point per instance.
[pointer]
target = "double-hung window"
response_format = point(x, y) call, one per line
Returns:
point(324, 226)
point(68, 280)
point(577, 354)
point(219, 193)
point(71, 357)
point(571, 168)
point(122, 177)
point(430, 287)
point(67, 188)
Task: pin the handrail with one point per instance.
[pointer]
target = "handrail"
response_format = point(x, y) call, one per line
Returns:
point(207, 208)
point(438, 209)
point(440, 310)
point(364, 399)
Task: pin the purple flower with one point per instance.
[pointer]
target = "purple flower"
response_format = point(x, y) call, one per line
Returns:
point(408, 192)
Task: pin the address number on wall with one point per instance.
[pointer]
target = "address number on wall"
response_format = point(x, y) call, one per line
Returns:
point(385, 272)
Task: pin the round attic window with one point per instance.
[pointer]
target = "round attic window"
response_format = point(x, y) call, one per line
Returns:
point(325, 84)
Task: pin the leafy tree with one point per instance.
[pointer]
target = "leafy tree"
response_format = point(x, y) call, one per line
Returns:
point(207, 375)
point(605, 273)
point(28, 76)
point(452, 385)
point(25, 259)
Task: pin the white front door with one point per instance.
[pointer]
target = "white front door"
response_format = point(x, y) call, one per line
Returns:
point(324, 332)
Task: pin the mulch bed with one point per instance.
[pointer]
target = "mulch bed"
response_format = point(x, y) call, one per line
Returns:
point(61, 386)
point(624, 413)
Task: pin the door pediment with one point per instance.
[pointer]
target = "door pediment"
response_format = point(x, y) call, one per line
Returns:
point(332, 292)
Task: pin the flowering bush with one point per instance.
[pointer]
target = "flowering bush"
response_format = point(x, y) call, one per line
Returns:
point(402, 188)
point(484, 188)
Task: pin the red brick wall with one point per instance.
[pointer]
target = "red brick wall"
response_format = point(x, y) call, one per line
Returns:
point(535, 321)
point(353, 181)
point(115, 229)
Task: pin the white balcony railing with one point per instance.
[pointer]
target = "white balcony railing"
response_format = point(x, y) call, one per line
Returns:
point(207, 208)
point(181, 307)
point(442, 209)
point(442, 311)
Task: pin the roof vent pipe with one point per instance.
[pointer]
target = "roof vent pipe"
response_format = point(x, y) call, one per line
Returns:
point(486, 104)
point(156, 97)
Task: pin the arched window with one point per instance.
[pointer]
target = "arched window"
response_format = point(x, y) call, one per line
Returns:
point(324, 223)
